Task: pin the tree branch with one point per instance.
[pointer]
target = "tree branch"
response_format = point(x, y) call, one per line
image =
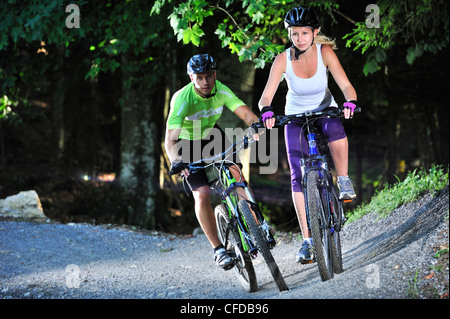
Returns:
point(345, 16)
point(235, 23)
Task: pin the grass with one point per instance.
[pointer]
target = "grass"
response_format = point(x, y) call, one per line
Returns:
point(413, 290)
point(416, 184)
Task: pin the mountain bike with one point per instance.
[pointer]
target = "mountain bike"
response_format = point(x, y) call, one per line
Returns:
point(241, 226)
point(324, 210)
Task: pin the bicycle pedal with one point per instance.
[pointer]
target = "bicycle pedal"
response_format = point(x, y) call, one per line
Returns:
point(229, 267)
point(271, 243)
point(253, 252)
point(347, 200)
point(232, 254)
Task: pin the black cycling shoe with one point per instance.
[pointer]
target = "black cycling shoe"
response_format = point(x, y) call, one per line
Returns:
point(222, 259)
point(305, 254)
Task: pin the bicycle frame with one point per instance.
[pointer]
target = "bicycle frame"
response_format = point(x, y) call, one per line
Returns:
point(226, 187)
point(323, 209)
point(230, 201)
point(250, 233)
point(315, 161)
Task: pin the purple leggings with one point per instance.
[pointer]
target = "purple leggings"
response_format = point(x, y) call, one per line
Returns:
point(332, 129)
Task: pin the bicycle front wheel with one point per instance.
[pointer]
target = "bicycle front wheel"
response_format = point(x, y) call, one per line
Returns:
point(336, 253)
point(262, 244)
point(335, 237)
point(243, 264)
point(319, 224)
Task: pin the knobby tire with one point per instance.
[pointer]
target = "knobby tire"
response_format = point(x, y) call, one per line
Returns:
point(262, 245)
point(317, 218)
point(335, 237)
point(336, 253)
point(244, 267)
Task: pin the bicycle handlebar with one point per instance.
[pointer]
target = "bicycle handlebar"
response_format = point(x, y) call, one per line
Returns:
point(200, 164)
point(246, 140)
point(328, 112)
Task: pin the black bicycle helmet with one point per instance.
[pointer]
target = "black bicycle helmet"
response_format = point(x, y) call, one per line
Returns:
point(301, 17)
point(201, 63)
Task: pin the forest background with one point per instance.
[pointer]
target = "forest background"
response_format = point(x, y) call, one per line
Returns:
point(85, 88)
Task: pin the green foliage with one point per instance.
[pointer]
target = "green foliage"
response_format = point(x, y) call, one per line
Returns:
point(4, 106)
point(413, 289)
point(253, 29)
point(421, 26)
point(32, 20)
point(106, 32)
point(415, 185)
point(441, 252)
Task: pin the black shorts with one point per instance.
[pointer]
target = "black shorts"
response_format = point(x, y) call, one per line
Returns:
point(190, 151)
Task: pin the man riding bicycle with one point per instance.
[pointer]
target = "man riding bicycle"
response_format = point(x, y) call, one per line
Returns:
point(191, 127)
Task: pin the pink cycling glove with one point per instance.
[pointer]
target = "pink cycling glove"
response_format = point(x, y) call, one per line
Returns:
point(266, 113)
point(351, 105)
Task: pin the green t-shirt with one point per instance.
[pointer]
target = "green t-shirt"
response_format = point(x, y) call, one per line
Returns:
point(195, 115)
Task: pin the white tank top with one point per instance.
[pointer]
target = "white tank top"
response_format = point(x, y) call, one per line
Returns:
point(311, 94)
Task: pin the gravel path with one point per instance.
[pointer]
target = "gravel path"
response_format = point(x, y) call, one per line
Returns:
point(53, 261)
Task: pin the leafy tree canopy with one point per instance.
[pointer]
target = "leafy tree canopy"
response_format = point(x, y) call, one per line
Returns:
point(253, 29)
point(105, 31)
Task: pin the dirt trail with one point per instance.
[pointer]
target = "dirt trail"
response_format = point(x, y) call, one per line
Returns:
point(381, 259)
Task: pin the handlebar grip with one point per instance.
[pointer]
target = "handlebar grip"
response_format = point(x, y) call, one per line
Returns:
point(177, 167)
point(257, 125)
point(173, 172)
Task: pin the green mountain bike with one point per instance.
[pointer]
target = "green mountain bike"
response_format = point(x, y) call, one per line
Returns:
point(241, 226)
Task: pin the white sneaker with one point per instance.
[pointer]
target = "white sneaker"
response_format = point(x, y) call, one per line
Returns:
point(222, 259)
point(346, 190)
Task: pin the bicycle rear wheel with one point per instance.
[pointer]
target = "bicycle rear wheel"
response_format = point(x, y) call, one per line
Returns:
point(318, 221)
point(262, 244)
point(243, 264)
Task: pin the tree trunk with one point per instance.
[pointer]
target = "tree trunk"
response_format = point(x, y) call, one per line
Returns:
point(139, 154)
point(59, 91)
point(392, 132)
point(358, 175)
point(241, 81)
